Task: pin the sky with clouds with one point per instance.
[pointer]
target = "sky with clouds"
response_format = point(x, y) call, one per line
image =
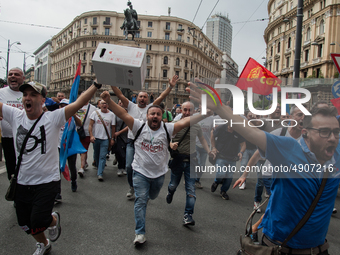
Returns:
point(247, 36)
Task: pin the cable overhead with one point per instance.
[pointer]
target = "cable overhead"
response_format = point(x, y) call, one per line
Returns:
point(27, 24)
point(250, 21)
point(197, 12)
point(210, 14)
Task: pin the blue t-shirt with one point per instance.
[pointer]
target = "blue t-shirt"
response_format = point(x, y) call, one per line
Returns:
point(291, 197)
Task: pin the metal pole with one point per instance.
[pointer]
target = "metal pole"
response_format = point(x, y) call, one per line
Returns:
point(299, 18)
point(7, 58)
point(159, 78)
point(24, 66)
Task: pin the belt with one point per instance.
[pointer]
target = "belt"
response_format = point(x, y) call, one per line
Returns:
point(309, 251)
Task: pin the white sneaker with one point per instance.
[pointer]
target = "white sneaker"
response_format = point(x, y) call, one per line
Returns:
point(54, 232)
point(335, 210)
point(124, 172)
point(120, 172)
point(81, 172)
point(42, 249)
point(131, 193)
point(266, 194)
point(257, 204)
point(243, 186)
point(139, 239)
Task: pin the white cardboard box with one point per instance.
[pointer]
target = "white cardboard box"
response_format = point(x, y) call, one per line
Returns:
point(120, 66)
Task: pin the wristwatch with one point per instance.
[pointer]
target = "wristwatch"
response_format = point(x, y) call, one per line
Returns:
point(97, 85)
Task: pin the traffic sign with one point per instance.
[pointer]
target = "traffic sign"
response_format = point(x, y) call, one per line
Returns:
point(336, 60)
point(336, 89)
point(269, 97)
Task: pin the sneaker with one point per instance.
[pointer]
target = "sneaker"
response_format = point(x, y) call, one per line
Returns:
point(58, 199)
point(107, 156)
point(266, 195)
point(188, 220)
point(198, 185)
point(120, 172)
point(257, 204)
point(214, 186)
point(115, 162)
point(131, 193)
point(335, 210)
point(86, 166)
point(139, 239)
point(124, 172)
point(224, 195)
point(74, 186)
point(243, 186)
point(55, 231)
point(42, 249)
point(100, 178)
point(81, 172)
point(169, 197)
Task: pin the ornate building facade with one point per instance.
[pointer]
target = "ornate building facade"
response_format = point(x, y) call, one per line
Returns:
point(173, 46)
point(320, 37)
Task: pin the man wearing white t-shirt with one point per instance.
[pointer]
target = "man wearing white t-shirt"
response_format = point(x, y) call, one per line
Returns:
point(138, 111)
point(85, 113)
point(151, 157)
point(13, 97)
point(101, 136)
point(39, 177)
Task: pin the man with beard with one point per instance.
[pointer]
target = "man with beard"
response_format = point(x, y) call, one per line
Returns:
point(151, 155)
point(294, 191)
point(13, 97)
point(138, 111)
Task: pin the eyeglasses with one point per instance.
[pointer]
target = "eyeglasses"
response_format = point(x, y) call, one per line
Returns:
point(326, 132)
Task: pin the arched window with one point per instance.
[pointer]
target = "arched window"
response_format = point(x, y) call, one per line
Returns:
point(289, 42)
point(308, 34)
point(165, 60)
point(148, 59)
point(322, 27)
point(177, 61)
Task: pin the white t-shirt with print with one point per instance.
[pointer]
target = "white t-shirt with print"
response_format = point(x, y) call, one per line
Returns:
point(268, 173)
point(137, 113)
point(11, 98)
point(40, 160)
point(82, 113)
point(99, 131)
point(151, 149)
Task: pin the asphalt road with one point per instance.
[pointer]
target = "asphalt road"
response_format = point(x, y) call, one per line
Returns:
point(98, 219)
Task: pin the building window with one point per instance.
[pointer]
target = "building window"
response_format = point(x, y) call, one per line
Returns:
point(179, 38)
point(164, 86)
point(94, 43)
point(84, 44)
point(287, 62)
point(188, 39)
point(271, 51)
point(148, 47)
point(94, 31)
point(177, 73)
point(107, 21)
point(278, 47)
point(165, 73)
point(84, 55)
point(186, 63)
point(177, 61)
point(85, 21)
point(146, 85)
point(167, 25)
point(277, 65)
point(185, 76)
point(94, 21)
point(107, 31)
point(138, 23)
point(84, 69)
point(289, 42)
point(166, 48)
point(167, 36)
point(306, 55)
point(137, 34)
point(319, 50)
point(322, 27)
point(165, 60)
point(149, 34)
point(178, 50)
point(150, 24)
point(308, 34)
point(148, 72)
point(148, 59)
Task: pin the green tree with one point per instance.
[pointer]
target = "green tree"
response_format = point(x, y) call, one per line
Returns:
point(2, 82)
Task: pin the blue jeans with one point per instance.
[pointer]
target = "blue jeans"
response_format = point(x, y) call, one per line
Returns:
point(224, 177)
point(176, 175)
point(145, 188)
point(202, 159)
point(262, 182)
point(246, 156)
point(100, 147)
point(130, 153)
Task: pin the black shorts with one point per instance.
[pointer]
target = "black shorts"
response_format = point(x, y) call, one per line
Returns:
point(34, 205)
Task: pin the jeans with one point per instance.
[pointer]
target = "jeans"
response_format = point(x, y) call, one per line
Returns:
point(130, 152)
point(145, 189)
point(225, 177)
point(100, 150)
point(202, 159)
point(246, 156)
point(176, 175)
point(262, 182)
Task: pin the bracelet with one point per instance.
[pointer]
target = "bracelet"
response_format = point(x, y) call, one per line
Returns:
point(97, 85)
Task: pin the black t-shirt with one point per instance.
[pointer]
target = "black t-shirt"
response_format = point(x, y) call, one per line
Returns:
point(228, 144)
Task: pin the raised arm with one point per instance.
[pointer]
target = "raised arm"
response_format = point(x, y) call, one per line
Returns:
point(72, 108)
point(253, 135)
point(166, 92)
point(185, 122)
point(119, 111)
point(120, 96)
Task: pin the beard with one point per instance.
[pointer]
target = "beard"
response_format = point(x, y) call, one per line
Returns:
point(153, 125)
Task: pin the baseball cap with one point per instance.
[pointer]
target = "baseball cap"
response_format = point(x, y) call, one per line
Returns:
point(64, 101)
point(38, 87)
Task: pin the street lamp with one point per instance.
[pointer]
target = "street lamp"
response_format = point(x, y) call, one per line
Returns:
point(299, 17)
point(8, 50)
point(24, 66)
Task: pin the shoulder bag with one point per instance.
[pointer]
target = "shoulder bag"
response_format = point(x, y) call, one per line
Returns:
point(81, 130)
point(107, 132)
point(10, 194)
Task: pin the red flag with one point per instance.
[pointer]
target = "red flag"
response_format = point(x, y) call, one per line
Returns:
point(66, 173)
point(259, 78)
point(336, 103)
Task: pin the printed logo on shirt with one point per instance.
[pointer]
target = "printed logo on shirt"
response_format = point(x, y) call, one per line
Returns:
point(146, 145)
point(21, 134)
point(15, 104)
